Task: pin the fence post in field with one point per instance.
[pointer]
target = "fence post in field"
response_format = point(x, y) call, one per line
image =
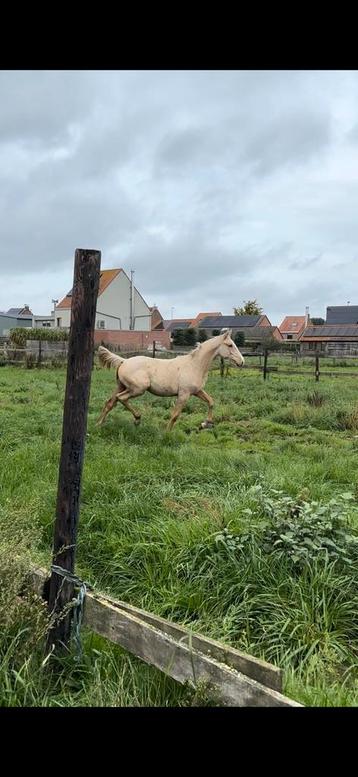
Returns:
point(40, 354)
point(265, 364)
point(79, 368)
point(221, 366)
point(317, 368)
point(153, 349)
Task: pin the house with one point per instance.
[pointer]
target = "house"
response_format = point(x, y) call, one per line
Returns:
point(236, 323)
point(177, 323)
point(20, 312)
point(119, 305)
point(13, 318)
point(342, 314)
point(257, 330)
point(331, 339)
point(185, 323)
point(292, 327)
point(261, 336)
point(157, 321)
point(195, 322)
point(43, 321)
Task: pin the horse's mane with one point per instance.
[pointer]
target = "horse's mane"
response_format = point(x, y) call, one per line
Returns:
point(195, 350)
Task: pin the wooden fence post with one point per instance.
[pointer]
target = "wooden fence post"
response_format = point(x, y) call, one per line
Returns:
point(153, 349)
point(317, 368)
point(265, 364)
point(40, 354)
point(79, 368)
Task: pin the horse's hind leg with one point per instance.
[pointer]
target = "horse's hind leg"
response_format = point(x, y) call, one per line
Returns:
point(124, 396)
point(109, 405)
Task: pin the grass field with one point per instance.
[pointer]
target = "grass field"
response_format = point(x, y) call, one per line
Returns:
point(246, 532)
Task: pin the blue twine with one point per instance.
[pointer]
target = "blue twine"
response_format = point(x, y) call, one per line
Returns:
point(77, 604)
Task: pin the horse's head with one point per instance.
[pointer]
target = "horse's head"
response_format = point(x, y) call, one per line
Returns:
point(229, 350)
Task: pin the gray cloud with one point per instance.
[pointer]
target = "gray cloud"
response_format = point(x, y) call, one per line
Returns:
point(215, 186)
point(289, 140)
point(301, 264)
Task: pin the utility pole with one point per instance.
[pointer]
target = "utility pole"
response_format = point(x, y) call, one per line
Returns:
point(131, 303)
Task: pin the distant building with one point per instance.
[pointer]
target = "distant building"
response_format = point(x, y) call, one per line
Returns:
point(331, 339)
point(13, 318)
point(342, 314)
point(258, 330)
point(292, 327)
point(119, 305)
point(236, 323)
point(157, 321)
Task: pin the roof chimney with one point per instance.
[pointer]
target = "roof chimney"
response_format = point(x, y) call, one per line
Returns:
point(307, 315)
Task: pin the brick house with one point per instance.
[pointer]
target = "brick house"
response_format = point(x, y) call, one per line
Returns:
point(292, 327)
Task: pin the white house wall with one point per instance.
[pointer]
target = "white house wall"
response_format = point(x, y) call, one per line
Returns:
point(114, 304)
point(113, 307)
point(64, 314)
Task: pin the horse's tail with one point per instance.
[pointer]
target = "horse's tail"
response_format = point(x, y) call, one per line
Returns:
point(109, 359)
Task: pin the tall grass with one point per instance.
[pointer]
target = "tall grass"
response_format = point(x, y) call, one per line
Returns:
point(153, 506)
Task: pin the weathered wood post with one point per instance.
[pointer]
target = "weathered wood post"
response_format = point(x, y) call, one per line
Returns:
point(265, 364)
point(317, 368)
point(153, 349)
point(40, 354)
point(79, 368)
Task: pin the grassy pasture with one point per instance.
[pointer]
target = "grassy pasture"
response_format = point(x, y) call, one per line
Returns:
point(208, 528)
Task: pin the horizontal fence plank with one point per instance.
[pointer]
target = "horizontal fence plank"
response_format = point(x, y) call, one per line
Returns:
point(177, 660)
point(255, 668)
point(178, 653)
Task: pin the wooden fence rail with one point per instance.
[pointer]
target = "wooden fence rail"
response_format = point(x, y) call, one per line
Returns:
point(235, 678)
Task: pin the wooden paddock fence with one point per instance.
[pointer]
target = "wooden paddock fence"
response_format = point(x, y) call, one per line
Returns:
point(231, 677)
point(42, 352)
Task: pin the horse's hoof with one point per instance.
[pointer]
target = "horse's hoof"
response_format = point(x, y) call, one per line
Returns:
point(207, 425)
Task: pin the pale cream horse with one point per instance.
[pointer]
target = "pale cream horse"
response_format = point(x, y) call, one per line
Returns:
point(180, 377)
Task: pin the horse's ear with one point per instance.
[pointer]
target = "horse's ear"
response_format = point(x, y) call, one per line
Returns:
point(227, 334)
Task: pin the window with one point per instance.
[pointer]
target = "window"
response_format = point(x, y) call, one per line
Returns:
point(46, 323)
point(101, 324)
point(289, 337)
point(59, 321)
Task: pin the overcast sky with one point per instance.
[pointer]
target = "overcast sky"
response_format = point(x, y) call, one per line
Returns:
point(214, 186)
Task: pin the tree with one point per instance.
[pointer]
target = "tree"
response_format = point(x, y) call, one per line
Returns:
point(202, 336)
point(190, 336)
point(178, 337)
point(215, 332)
point(239, 339)
point(250, 308)
point(316, 321)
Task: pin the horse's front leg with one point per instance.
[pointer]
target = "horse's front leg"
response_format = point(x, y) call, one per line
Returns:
point(207, 398)
point(181, 401)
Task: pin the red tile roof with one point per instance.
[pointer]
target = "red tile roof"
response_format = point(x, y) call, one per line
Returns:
point(106, 277)
point(292, 324)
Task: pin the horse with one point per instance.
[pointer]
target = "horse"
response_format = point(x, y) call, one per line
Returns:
point(181, 377)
